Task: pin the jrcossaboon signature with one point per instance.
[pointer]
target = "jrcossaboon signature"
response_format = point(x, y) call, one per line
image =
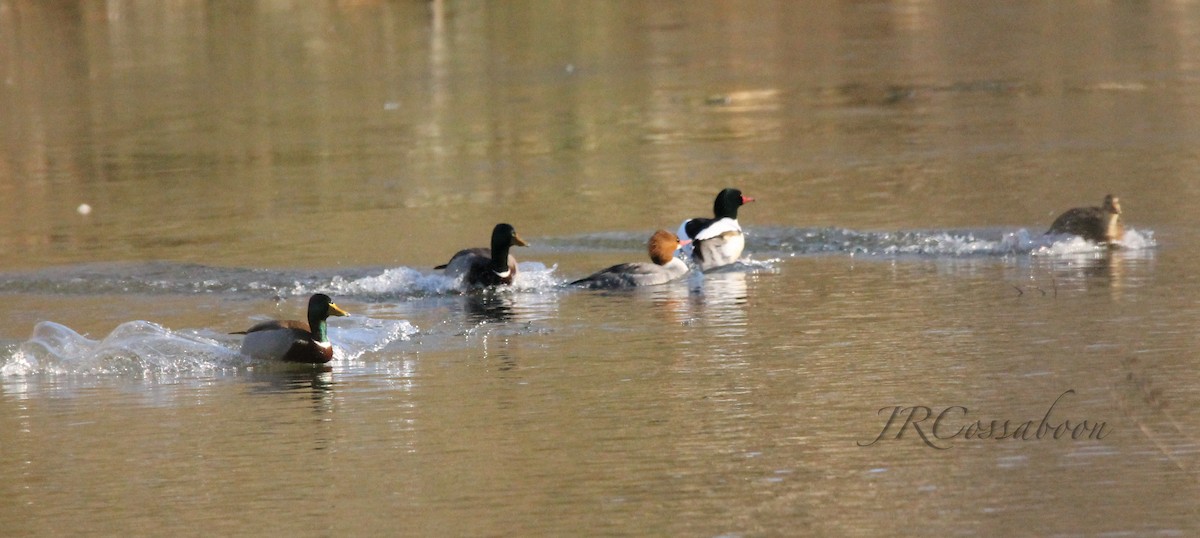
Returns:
point(954, 422)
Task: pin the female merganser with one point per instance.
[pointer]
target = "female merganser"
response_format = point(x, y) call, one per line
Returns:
point(1098, 224)
point(717, 241)
point(666, 267)
point(292, 340)
point(487, 266)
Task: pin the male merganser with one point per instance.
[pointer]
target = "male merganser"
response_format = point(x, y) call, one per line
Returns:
point(487, 266)
point(1098, 224)
point(292, 340)
point(717, 241)
point(666, 267)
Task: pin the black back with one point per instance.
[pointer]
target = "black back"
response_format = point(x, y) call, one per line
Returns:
point(694, 226)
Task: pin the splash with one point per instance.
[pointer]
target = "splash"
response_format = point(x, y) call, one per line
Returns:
point(139, 348)
point(359, 336)
point(145, 349)
point(536, 277)
point(1135, 240)
point(392, 283)
point(405, 282)
point(1070, 245)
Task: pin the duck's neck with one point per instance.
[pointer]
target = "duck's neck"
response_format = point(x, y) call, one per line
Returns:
point(316, 326)
point(1112, 226)
point(500, 258)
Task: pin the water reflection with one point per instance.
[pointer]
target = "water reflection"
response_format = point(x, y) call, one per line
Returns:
point(496, 319)
point(1113, 270)
point(316, 381)
point(719, 300)
point(283, 377)
point(506, 305)
point(715, 313)
point(488, 306)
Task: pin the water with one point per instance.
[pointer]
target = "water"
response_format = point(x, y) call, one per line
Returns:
point(906, 157)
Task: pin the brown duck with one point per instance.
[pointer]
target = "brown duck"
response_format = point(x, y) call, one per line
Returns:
point(1099, 224)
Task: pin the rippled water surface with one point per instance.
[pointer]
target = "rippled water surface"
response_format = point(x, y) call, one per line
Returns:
point(902, 351)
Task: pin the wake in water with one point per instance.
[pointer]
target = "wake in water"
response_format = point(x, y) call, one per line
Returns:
point(407, 282)
point(764, 245)
point(173, 278)
point(145, 349)
point(934, 243)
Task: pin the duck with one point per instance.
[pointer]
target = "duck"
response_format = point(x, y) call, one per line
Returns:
point(718, 241)
point(1098, 224)
point(294, 340)
point(666, 266)
point(482, 267)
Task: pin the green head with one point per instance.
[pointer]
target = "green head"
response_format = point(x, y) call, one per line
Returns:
point(320, 307)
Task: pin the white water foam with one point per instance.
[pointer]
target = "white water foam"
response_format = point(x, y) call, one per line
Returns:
point(136, 347)
point(408, 282)
point(1071, 245)
point(398, 281)
point(145, 349)
point(357, 336)
point(536, 277)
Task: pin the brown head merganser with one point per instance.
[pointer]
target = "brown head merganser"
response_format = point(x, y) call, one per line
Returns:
point(666, 267)
point(292, 340)
point(1099, 224)
point(487, 266)
point(718, 241)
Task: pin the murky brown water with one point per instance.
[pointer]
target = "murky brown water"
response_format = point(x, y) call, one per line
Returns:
point(232, 152)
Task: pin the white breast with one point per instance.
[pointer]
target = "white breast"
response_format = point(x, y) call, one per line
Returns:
point(719, 251)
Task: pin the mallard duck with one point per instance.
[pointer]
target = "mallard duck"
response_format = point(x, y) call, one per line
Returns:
point(1100, 224)
point(487, 266)
point(666, 267)
point(717, 241)
point(293, 340)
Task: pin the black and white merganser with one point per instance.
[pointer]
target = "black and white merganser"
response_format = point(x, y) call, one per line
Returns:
point(1098, 224)
point(718, 241)
point(666, 267)
point(487, 266)
point(293, 340)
